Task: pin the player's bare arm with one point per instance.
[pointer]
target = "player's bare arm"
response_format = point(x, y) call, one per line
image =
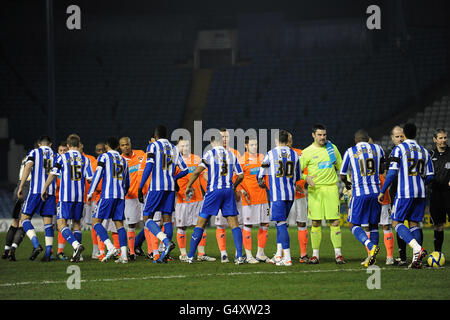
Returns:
point(348, 184)
point(49, 180)
point(310, 180)
point(239, 179)
point(26, 172)
point(194, 176)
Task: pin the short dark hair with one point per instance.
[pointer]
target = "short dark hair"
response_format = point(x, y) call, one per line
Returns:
point(73, 140)
point(113, 143)
point(410, 131)
point(437, 131)
point(63, 144)
point(161, 132)
point(248, 138)
point(283, 136)
point(44, 140)
point(217, 138)
point(318, 126)
point(361, 136)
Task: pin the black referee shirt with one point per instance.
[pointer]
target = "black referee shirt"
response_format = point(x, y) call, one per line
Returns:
point(441, 164)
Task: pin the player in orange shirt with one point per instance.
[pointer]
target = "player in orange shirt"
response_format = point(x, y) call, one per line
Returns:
point(219, 220)
point(386, 221)
point(386, 224)
point(62, 148)
point(255, 207)
point(98, 247)
point(299, 214)
point(133, 208)
point(186, 212)
point(150, 238)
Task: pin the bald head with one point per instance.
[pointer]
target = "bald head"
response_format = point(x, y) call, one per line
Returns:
point(397, 135)
point(125, 146)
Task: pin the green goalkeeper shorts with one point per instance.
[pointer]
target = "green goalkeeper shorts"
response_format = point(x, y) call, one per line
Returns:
point(323, 202)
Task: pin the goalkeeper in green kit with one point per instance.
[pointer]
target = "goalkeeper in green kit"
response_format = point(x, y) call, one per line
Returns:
point(321, 160)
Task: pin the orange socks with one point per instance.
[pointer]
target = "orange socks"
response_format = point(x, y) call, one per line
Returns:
point(181, 240)
point(303, 240)
point(61, 242)
point(389, 243)
point(149, 240)
point(131, 235)
point(221, 239)
point(94, 237)
point(101, 245)
point(262, 237)
point(201, 245)
point(115, 237)
point(247, 238)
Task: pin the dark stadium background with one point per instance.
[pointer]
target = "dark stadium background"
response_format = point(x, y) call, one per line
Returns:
point(135, 64)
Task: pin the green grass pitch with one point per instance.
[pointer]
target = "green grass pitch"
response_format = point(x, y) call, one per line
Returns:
point(143, 279)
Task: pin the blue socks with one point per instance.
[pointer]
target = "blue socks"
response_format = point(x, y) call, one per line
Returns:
point(78, 235)
point(404, 232)
point(155, 229)
point(29, 230)
point(361, 236)
point(283, 235)
point(49, 234)
point(140, 237)
point(415, 231)
point(374, 236)
point(68, 235)
point(101, 231)
point(122, 237)
point(237, 237)
point(168, 230)
point(195, 240)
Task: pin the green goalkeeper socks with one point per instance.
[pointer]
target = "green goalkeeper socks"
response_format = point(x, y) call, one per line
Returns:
point(336, 236)
point(316, 237)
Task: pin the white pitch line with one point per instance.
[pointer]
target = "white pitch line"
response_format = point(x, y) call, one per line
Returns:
point(26, 283)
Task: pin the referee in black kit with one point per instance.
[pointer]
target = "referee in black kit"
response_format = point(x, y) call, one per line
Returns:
point(440, 187)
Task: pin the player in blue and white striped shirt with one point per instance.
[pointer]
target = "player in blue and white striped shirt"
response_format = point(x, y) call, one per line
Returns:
point(162, 159)
point(74, 169)
point(222, 165)
point(365, 161)
point(282, 165)
point(112, 169)
point(414, 167)
point(39, 163)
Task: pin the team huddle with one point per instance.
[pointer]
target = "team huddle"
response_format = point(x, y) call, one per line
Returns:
point(167, 187)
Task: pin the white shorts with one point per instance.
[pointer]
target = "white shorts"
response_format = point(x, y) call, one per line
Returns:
point(109, 225)
point(157, 216)
point(186, 214)
point(256, 214)
point(133, 211)
point(299, 211)
point(385, 217)
point(219, 220)
point(88, 211)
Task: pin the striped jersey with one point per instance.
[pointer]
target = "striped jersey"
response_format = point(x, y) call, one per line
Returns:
point(165, 157)
point(42, 158)
point(364, 160)
point(222, 165)
point(282, 165)
point(113, 169)
point(73, 169)
point(413, 163)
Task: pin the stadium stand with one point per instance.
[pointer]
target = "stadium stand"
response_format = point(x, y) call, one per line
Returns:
point(434, 116)
point(345, 91)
